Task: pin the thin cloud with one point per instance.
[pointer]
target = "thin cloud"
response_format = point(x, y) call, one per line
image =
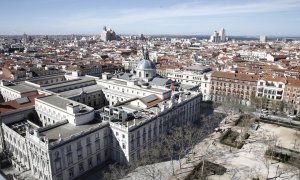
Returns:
point(91, 20)
point(200, 9)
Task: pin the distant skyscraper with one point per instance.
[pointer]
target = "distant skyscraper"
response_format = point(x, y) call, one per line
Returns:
point(25, 39)
point(263, 38)
point(108, 34)
point(222, 35)
point(218, 36)
point(142, 37)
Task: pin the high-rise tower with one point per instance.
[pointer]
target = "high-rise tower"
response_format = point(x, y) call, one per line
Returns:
point(218, 37)
point(222, 35)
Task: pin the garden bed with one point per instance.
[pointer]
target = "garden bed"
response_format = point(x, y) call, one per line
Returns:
point(284, 155)
point(230, 139)
point(208, 169)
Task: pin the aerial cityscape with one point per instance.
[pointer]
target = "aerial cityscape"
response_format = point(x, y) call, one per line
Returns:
point(154, 90)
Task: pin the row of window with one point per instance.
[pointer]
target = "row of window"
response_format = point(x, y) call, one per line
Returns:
point(51, 81)
point(233, 85)
point(81, 167)
point(73, 87)
point(127, 90)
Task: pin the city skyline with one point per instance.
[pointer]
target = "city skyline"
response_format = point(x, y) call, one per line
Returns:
point(275, 18)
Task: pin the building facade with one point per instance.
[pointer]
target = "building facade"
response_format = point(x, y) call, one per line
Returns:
point(233, 86)
point(193, 78)
point(271, 87)
point(291, 96)
point(77, 131)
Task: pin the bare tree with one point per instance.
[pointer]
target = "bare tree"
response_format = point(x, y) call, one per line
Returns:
point(115, 171)
point(168, 142)
point(177, 142)
point(271, 141)
point(149, 162)
point(246, 124)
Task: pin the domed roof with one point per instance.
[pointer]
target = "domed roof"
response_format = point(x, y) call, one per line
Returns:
point(146, 65)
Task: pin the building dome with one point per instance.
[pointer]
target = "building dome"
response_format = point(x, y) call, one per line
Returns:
point(146, 65)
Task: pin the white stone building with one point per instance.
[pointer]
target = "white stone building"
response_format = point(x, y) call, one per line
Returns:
point(271, 87)
point(73, 140)
point(52, 109)
point(151, 121)
point(11, 91)
point(193, 76)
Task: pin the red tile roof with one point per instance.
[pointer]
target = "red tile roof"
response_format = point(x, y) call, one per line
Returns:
point(13, 105)
point(157, 100)
point(276, 79)
point(293, 81)
point(235, 76)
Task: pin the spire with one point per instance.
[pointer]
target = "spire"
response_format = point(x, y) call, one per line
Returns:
point(145, 53)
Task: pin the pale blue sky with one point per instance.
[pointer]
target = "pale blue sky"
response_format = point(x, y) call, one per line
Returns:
point(186, 17)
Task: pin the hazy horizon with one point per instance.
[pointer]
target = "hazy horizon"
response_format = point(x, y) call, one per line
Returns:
point(157, 17)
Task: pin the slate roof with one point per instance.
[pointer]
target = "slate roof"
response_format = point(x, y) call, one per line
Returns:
point(160, 81)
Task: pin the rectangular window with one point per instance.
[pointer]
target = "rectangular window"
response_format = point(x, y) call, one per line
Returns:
point(89, 149)
point(81, 168)
point(99, 158)
point(97, 144)
point(78, 144)
point(97, 136)
point(88, 140)
point(90, 162)
point(132, 145)
point(79, 153)
point(105, 141)
point(69, 159)
point(57, 165)
point(69, 148)
point(71, 172)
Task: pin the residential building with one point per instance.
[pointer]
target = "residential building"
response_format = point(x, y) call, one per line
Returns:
point(291, 96)
point(271, 87)
point(227, 86)
point(194, 76)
